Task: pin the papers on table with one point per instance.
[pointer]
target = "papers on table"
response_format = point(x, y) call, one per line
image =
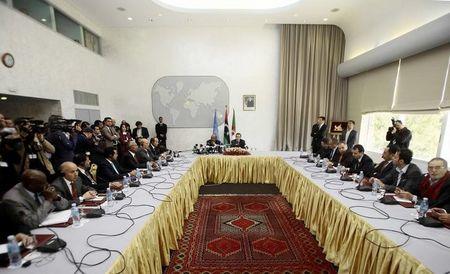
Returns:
point(401, 200)
point(3, 248)
point(56, 218)
point(97, 199)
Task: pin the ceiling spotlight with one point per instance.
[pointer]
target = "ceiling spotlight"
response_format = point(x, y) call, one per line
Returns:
point(335, 10)
point(3, 98)
point(44, 20)
point(325, 19)
point(130, 18)
point(121, 9)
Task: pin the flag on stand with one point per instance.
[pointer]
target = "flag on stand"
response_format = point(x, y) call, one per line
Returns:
point(215, 125)
point(226, 130)
point(233, 126)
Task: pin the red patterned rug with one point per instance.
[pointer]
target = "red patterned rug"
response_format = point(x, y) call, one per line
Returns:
point(246, 234)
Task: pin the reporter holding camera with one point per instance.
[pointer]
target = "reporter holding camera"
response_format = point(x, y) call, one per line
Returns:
point(398, 134)
point(36, 150)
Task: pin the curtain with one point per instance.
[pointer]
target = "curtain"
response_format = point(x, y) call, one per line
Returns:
point(309, 84)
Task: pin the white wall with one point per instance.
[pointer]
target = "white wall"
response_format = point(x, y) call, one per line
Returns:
point(47, 64)
point(246, 58)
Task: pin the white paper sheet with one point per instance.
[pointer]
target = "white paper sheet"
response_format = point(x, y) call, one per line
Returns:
point(3, 248)
point(401, 200)
point(56, 218)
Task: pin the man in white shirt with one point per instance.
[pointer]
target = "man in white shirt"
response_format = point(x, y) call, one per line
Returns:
point(349, 136)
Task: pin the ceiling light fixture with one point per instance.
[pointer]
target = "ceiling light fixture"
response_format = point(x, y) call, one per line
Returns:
point(159, 14)
point(130, 18)
point(3, 98)
point(44, 20)
point(325, 19)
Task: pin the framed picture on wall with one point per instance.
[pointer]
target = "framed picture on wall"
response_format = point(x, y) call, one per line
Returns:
point(249, 102)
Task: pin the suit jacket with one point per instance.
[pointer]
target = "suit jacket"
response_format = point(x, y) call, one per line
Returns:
point(144, 133)
point(107, 174)
point(91, 183)
point(365, 165)
point(213, 143)
point(64, 147)
point(351, 138)
point(155, 152)
point(130, 162)
point(26, 210)
point(111, 136)
point(235, 143)
point(325, 153)
point(383, 169)
point(145, 155)
point(317, 134)
point(161, 131)
point(442, 198)
point(400, 138)
point(64, 191)
point(409, 181)
point(10, 225)
point(345, 160)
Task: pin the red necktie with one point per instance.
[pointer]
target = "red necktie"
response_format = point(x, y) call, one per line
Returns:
point(74, 191)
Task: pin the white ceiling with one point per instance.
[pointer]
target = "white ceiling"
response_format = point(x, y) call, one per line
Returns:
point(352, 13)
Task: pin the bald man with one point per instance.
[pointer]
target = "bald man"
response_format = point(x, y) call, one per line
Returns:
point(69, 185)
point(130, 159)
point(33, 199)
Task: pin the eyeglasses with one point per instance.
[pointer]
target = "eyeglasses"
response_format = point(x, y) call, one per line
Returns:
point(435, 167)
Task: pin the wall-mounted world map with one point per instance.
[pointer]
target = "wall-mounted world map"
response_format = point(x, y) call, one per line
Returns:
point(189, 101)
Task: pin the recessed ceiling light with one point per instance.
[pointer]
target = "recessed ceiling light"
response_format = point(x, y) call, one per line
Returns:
point(335, 10)
point(130, 18)
point(325, 19)
point(3, 98)
point(44, 20)
point(159, 14)
point(121, 9)
point(295, 15)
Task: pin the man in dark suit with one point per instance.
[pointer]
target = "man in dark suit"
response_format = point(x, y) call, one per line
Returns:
point(129, 160)
point(143, 154)
point(238, 142)
point(109, 170)
point(384, 168)
point(69, 185)
point(64, 143)
point(33, 199)
point(161, 132)
point(140, 132)
point(325, 150)
point(399, 135)
point(154, 148)
point(405, 176)
point(213, 141)
point(85, 142)
point(435, 185)
point(342, 156)
point(349, 136)
point(318, 132)
point(361, 162)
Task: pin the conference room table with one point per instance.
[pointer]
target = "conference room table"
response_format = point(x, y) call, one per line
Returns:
point(137, 234)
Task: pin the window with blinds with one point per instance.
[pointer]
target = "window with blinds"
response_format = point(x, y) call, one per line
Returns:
point(85, 98)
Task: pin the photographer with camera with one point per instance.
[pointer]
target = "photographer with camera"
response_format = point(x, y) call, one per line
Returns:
point(36, 147)
point(64, 139)
point(398, 134)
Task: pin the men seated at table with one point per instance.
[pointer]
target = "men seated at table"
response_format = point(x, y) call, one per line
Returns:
point(405, 176)
point(342, 156)
point(154, 148)
point(238, 142)
point(361, 162)
point(435, 185)
point(109, 170)
point(333, 150)
point(69, 185)
point(384, 168)
point(324, 151)
point(129, 159)
point(213, 141)
point(143, 154)
point(33, 199)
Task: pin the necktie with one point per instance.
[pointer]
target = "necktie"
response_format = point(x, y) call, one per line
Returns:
point(114, 167)
point(36, 198)
point(74, 191)
point(89, 177)
point(399, 178)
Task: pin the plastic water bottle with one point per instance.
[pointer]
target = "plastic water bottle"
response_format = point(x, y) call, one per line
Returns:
point(375, 188)
point(109, 197)
point(423, 207)
point(138, 174)
point(325, 164)
point(360, 176)
point(125, 181)
point(15, 259)
point(75, 215)
point(149, 168)
point(339, 169)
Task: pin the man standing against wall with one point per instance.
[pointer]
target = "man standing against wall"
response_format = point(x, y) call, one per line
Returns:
point(349, 136)
point(318, 132)
point(161, 132)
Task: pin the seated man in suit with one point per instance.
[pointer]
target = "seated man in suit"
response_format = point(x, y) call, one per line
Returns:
point(109, 170)
point(33, 199)
point(69, 185)
point(213, 141)
point(435, 185)
point(238, 142)
point(129, 159)
point(342, 156)
point(143, 154)
point(140, 132)
point(154, 148)
point(384, 168)
point(324, 151)
point(405, 176)
point(361, 162)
